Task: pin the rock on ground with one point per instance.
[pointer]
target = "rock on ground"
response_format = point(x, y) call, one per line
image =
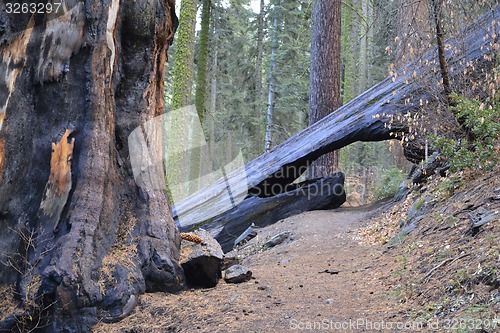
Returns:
point(237, 274)
point(277, 240)
point(202, 263)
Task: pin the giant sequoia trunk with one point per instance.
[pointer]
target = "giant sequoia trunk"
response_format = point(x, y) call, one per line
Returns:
point(73, 85)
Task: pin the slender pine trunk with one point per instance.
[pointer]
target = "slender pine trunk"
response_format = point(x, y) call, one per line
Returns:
point(270, 98)
point(202, 63)
point(437, 14)
point(258, 76)
point(363, 50)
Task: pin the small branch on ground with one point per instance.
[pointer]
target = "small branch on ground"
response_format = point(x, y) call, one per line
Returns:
point(445, 262)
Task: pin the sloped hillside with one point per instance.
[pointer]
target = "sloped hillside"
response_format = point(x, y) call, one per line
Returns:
point(445, 239)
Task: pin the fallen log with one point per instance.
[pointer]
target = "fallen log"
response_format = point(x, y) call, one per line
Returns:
point(323, 193)
point(365, 118)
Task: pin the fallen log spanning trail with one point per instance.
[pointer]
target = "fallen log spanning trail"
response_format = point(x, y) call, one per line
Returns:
point(323, 193)
point(362, 119)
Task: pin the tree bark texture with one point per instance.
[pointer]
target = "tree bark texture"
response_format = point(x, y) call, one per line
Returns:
point(73, 86)
point(184, 55)
point(325, 94)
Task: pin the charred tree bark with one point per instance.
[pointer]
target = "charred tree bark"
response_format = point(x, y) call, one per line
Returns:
point(73, 86)
point(325, 74)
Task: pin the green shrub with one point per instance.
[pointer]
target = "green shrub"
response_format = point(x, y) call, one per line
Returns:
point(450, 185)
point(482, 121)
point(388, 184)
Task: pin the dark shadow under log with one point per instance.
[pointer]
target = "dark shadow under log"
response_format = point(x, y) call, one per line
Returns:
point(323, 193)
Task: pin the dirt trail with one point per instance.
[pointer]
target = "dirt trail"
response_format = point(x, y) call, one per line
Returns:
point(295, 285)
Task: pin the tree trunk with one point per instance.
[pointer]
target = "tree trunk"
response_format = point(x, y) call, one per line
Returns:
point(317, 194)
point(325, 74)
point(363, 49)
point(349, 46)
point(270, 100)
point(213, 98)
point(184, 55)
point(437, 12)
point(258, 74)
point(371, 44)
point(83, 79)
point(180, 159)
point(202, 63)
point(196, 160)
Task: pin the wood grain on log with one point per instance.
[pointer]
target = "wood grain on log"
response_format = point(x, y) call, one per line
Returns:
point(2, 156)
point(59, 184)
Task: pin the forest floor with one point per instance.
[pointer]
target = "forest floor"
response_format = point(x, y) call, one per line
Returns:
point(347, 270)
